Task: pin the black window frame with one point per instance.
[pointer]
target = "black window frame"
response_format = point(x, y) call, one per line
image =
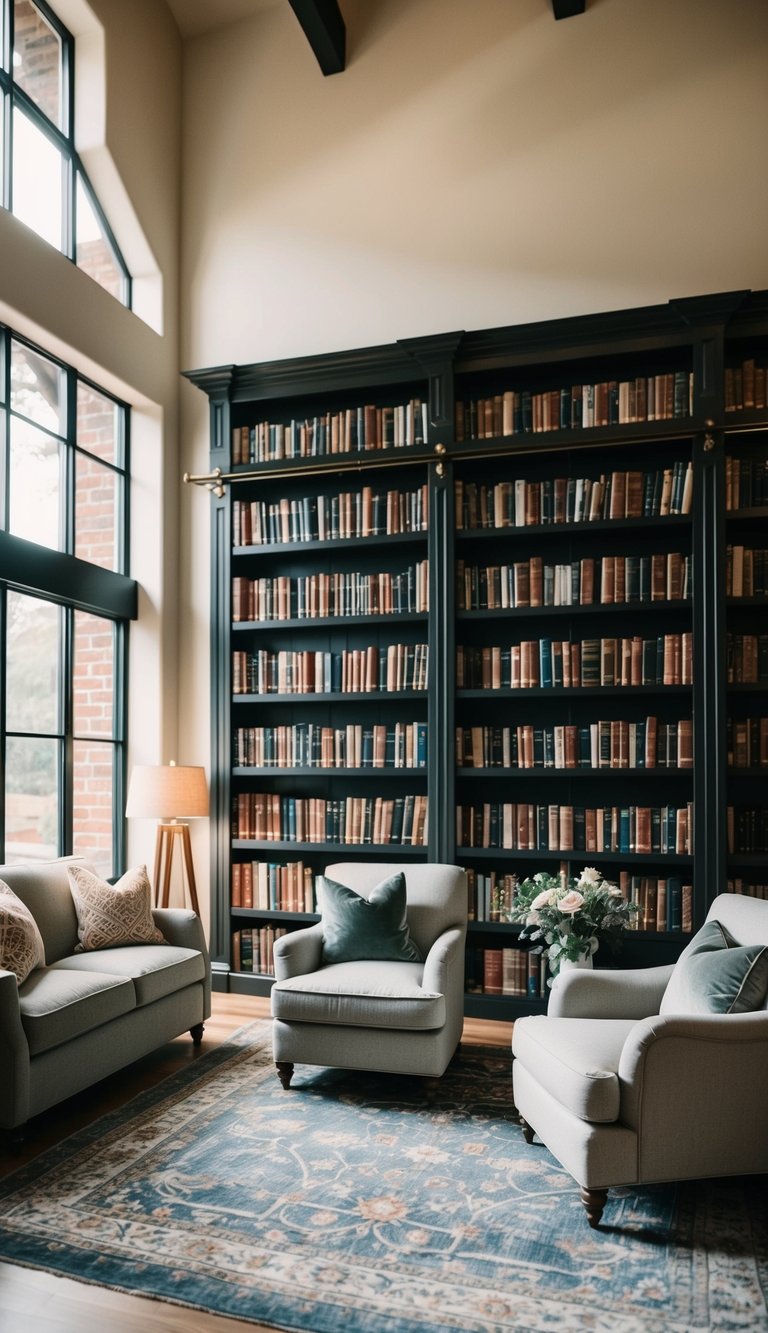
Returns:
point(13, 95)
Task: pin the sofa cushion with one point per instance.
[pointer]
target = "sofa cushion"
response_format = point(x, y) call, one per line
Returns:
point(21, 944)
point(111, 915)
point(43, 887)
point(369, 994)
point(358, 927)
point(154, 969)
point(714, 975)
point(576, 1060)
point(57, 1005)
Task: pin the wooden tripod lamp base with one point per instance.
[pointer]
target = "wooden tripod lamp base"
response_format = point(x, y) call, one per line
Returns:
point(168, 836)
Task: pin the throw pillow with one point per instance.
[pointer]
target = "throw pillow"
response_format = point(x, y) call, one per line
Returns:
point(714, 975)
point(109, 915)
point(360, 929)
point(21, 944)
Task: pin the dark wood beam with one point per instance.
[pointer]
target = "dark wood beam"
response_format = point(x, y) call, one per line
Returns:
point(565, 9)
point(324, 29)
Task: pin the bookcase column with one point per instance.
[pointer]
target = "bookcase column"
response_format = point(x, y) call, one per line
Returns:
point(709, 654)
point(442, 660)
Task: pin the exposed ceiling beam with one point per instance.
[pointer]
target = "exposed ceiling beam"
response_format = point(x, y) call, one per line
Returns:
point(565, 9)
point(324, 29)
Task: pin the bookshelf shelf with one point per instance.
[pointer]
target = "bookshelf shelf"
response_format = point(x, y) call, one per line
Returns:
point(703, 352)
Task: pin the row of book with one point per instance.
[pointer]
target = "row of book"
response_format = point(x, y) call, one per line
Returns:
point(272, 886)
point(752, 890)
point(506, 971)
point(306, 745)
point(609, 580)
point(746, 571)
point(363, 513)
point(647, 743)
point(524, 826)
point(665, 902)
point(613, 495)
point(352, 430)
point(253, 949)
point(315, 596)
point(746, 659)
point(747, 829)
point(746, 482)
point(358, 820)
point(747, 742)
point(399, 666)
point(547, 663)
point(744, 385)
point(606, 403)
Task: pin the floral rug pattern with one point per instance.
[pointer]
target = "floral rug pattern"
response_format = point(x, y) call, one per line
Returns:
point(350, 1202)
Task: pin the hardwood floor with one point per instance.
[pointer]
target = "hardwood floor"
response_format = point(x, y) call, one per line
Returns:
point(35, 1302)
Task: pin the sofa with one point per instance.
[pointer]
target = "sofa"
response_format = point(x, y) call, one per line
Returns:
point(83, 1016)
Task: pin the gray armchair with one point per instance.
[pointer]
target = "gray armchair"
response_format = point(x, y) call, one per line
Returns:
point(624, 1095)
point(397, 1017)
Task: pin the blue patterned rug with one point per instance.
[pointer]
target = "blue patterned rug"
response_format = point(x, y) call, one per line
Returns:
point(347, 1202)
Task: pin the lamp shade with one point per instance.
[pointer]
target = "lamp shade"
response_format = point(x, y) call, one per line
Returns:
point(167, 791)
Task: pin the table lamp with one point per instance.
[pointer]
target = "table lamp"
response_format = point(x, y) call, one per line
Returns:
point(171, 793)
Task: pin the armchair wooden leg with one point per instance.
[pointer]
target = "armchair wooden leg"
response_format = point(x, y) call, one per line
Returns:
point(196, 1033)
point(284, 1072)
point(430, 1086)
point(527, 1129)
point(594, 1201)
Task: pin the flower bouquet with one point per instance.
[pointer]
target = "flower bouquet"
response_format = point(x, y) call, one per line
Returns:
point(572, 915)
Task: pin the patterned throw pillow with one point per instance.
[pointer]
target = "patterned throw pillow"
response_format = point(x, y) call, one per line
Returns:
point(21, 944)
point(109, 915)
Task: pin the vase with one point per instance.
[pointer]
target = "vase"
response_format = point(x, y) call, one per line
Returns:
point(569, 964)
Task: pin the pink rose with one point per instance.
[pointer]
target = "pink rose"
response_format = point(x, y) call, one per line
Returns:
point(571, 903)
point(544, 899)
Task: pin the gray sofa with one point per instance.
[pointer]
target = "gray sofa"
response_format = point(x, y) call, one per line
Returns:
point(83, 1016)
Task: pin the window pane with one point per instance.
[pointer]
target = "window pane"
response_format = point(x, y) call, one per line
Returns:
point(93, 694)
point(37, 59)
point(93, 778)
point(32, 664)
point(31, 798)
point(34, 485)
point(38, 388)
point(98, 424)
point(94, 253)
point(37, 180)
point(96, 527)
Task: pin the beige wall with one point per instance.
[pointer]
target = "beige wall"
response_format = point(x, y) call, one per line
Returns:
point(128, 63)
point(477, 164)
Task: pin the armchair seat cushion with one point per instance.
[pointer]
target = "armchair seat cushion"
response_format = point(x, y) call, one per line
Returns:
point(576, 1060)
point(57, 1005)
point(155, 970)
point(371, 994)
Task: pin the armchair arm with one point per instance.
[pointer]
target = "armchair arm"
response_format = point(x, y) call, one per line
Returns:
point(695, 1089)
point(298, 952)
point(184, 929)
point(446, 951)
point(605, 993)
point(14, 1056)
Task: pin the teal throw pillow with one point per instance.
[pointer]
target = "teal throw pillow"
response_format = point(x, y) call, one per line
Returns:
point(359, 929)
point(714, 975)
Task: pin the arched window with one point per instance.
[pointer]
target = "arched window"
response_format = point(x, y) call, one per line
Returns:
point(42, 180)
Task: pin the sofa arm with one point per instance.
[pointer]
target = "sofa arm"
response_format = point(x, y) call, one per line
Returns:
point(298, 952)
point(444, 954)
point(14, 1056)
point(608, 993)
point(184, 930)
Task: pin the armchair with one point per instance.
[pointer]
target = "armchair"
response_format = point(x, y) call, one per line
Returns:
point(399, 1017)
point(622, 1094)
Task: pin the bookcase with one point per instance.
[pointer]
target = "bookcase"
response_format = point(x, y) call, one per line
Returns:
point(495, 598)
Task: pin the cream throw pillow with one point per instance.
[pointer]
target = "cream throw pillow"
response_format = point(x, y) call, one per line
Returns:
point(21, 944)
point(109, 915)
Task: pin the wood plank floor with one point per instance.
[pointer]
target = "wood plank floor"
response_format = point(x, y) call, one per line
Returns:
point(34, 1302)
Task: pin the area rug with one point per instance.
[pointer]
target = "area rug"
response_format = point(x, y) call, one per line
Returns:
point(348, 1202)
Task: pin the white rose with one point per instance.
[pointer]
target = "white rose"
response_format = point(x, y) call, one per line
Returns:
point(588, 877)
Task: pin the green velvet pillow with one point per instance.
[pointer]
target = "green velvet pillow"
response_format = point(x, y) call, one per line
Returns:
point(358, 929)
point(714, 975)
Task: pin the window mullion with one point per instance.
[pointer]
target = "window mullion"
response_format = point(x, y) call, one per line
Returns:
point(66, 717)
